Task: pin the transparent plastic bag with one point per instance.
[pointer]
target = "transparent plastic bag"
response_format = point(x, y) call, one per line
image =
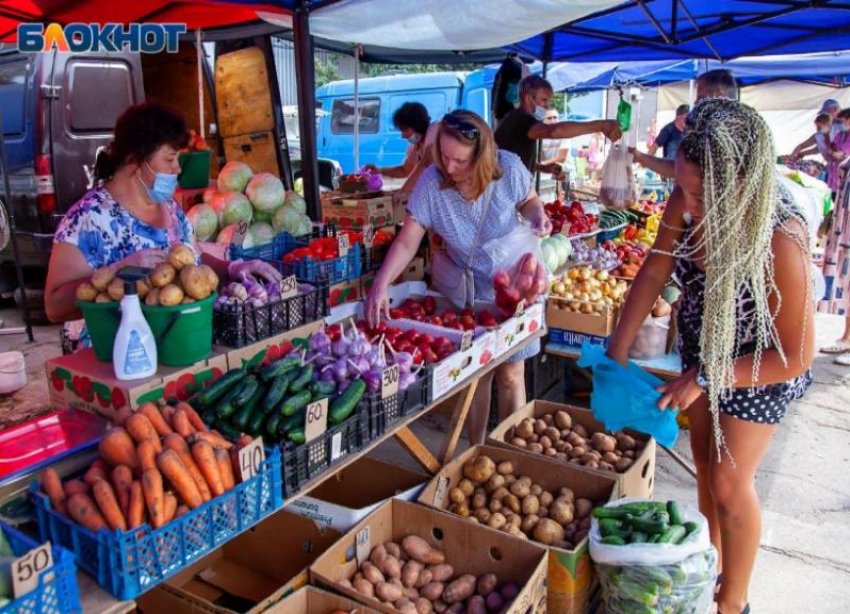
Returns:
point(517, 269)
point(657, 578)
point(617, 190)
point(651, 339)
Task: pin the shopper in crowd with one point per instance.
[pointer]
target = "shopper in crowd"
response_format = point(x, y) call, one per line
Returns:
point(520, 129)
point(413, 122)
point(553, 152)
point(472, 194)
point(738, 245)
point(822, 140)
point(671, 134)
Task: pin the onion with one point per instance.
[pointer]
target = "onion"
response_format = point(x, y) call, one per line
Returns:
point(320, 341)
point(340, 347)
point(372, 379)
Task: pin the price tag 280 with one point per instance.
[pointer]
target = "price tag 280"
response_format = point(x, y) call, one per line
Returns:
point(389, 381)
point(363, 544)
point(27, 569)
point(288, 287)
point(343, 244)
point(466, 340)
point(251, 459)
point(238, 236)
point(316, 419)
point(368, 236)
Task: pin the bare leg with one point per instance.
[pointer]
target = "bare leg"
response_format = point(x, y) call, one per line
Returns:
point(699, 424)
point(510, 378)
point(479, 413)
point(738, 509)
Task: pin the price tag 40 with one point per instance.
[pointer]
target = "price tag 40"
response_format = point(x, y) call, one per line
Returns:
point(389, 381)
point(251, 459)
point(368, 236)
point(466, 340)
point(363, 545)
point(27, 569)
point(238, 236)
point(316, 419)
point(343, 244)
point(288, 287)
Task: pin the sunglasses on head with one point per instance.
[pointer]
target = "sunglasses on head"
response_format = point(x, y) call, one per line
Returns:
point(462, 127)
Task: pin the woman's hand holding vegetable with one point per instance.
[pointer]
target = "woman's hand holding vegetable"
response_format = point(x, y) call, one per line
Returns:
point(254, 269)
point(147, 258)
point(682, 392)
point(377, 304)
point(533, 211)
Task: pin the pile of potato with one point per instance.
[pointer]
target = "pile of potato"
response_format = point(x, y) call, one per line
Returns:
point(414, 578)
point(494, 496)
point(555, 435)
point(178, 281)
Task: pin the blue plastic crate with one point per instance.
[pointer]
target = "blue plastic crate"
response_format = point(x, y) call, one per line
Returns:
point(281, 245)
point(56, 592)
point(609, 234)
point(327, 271)
point(128, 563)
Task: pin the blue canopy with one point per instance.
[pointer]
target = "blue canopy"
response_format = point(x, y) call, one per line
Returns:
point(679, 29)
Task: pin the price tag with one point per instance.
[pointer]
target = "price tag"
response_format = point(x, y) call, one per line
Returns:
point(440, 495)
point(520, 308)
point(336, 446)
point(288, 287)
point(565, 229)
point(316, 419)
point(251, 459)
point(343, 244)
point(368, 236)
point(389, 381)
point(238, 236)
point(363, 545)
point(466, 340)
point(27, 569)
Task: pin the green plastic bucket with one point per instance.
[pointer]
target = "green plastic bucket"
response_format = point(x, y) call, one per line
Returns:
point(194, 169)
point(183, 332)
point(102, 320)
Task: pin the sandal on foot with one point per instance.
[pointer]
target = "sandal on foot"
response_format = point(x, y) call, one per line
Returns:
point(746, 610)
point(843, 360)
point(839, 347)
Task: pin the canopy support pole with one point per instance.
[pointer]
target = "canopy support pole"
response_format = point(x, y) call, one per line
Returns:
point(199, 49)
point(305, 74)
point(357, 51)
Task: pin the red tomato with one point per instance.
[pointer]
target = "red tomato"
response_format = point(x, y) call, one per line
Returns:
point(396, 314)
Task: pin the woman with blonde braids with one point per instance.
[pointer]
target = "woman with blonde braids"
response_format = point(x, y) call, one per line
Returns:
point(746, 322)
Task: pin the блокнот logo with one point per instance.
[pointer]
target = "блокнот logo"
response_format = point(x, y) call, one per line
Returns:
point(77, 37)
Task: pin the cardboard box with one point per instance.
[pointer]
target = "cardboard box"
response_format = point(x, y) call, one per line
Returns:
point(400, 210)
point(415, 271)
point(637, 481)
point(574, 341)
point(366, 283)
point(570, 578)
point(348, 291)
point(353, 212)
point(350, 495)
point(600, 325)
point(514, 331)
point(312, 600)
point(267, 350)
point(469, 549)
point(256, 569)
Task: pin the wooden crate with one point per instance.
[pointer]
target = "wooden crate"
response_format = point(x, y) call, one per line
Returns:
point(257, 150)
point(242, 94)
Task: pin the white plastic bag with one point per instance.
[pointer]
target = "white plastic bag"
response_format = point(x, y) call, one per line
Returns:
point(517, 268)
point(617, 190)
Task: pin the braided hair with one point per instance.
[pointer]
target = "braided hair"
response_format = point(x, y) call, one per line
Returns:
point(733, 146)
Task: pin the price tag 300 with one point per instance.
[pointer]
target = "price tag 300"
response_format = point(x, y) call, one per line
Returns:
point(288, 287)
point(251, 459)
point(316, 419)
point(27, 569)
point(343, 244)
point(389, 381)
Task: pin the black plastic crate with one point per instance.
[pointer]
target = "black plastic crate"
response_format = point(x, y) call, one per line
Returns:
point(304, 462)
point(373, 257)
point(383, 413)
point(542, 372)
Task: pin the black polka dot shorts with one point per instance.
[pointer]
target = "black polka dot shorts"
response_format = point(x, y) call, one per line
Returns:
point(766, 404)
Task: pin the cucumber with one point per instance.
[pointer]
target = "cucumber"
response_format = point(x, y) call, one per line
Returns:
point(322, 389)
point(275, 393)
point(290, 423)
point(654, 539)
point(219, 387)
point(243, 416)
point(256, 422)
point(279, 367)
point(209, 416)
point(272, 424)
point(297, 401)
point(302, 380)
point(691, 527)
point(649, 526)
point(673, 535)
point(607, 526)
point(637, 537)
point(297, 437)
point(674, 513)
point(225, 407)
point(345, 403)
point(227, 430)
point(247, 390)
point(614, 540)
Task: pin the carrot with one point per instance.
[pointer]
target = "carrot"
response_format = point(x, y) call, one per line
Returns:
point(194, 418)
point(147, 455)
point(121, 416)
point(82, 509)
point(181, 509)
point(108, 504)
point(154, 502)
point(168, 414)
point(173, 468)
point(141, 429)
point(122, 480)
point(204, 456)
point(225, 469)
point(117, 448)
point(136, 511)
point(170, 506)
point(73, 487)
point(152, 413)
point(95, 473)
point(179, 445)
point(52, 487)
point(181, 424)
point(214, 439)
point(243, 440)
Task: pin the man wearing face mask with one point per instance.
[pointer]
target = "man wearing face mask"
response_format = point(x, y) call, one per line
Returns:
point(520, 130)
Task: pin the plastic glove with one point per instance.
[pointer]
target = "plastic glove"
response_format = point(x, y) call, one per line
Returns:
point(253, 268)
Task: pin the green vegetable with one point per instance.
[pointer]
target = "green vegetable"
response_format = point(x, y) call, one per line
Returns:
point(345, 403)
point(654, 539)
point(290, 423)
point(297, 437)
point(243, 416)
point(227, 430)
point(246, 391)
point(648, 526)
point(256, 422)
point(609, 526)
point(673, 535)
point(674, 513)
point(297, 401)
point(322, 389)
point(647, 594)
point(691, 527)
point(272, 424)
point(275, 392)
point(209, 416)
point(279, 367)
point(614, 540)
point(219, 387)
point(305, 376)
point(629, 509)
point(638, 538)
point(225, 407)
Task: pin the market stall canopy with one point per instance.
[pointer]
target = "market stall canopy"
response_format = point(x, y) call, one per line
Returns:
point(678, 29)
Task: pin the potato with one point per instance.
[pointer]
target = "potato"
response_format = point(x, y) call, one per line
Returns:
point(561, 456)
point(408, 608)
point(553, 434)
point(163, 274)
point(545, 499)
point(143, 286)
point(432, 591)
point(86, 292)
point(543, 512)
point(212, 278)
point(548, 532)
point(630, 454)
point(482, 514)
point(566, 493)
point(529, 522)
point(509, 591)
point(539, 427)
point(194, 282)
point(495, 505)
point(606, 466)
point(561, 512)
point(610, 458)
point(487, 584)
point(364, 587)
point(512, 502)
point(521, 489)
point(379, 553)
point(170, 295)
point(622, 465)
point(460, 590)
point(456, 608)
point(563, 420)
point(561, 446)
point(152, 299)
point(550, 452)
point(479, 490)
point(592, 465)
point(510, 479)
point(519, 442)
point(390, 567)
point(479, 470)
point(525, 429)
point(466, 487)
point(411, 593)
point(580, 535)
point(410, 573)
point(441, 573)
point(548, 419)
point(603, 443)
point(102, 278)
point(530, 505)
point(388, 592)
point(534, 438)
point(590, 457)
point(505, 468)
point(344, 583)
point(583, 507)
point(103, 297)
point(423, 606)
point(574, 439)
point(424, 579)
point(625, 442)
point(439, 605)
point(497, 521)
point(420, 550)
point(403, 602)
point(456, 495)
point(180, 255)
point(577, 452)
point(495, 602)
point(495, 483)
point(372, 573)
point(545, 442)
point(476, 605)
point(393, 549)
point(578, 428)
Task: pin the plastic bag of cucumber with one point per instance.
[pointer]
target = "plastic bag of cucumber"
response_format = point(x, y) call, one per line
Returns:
point(653, 557)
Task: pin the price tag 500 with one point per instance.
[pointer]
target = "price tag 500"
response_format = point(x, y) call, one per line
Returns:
point(27, 569)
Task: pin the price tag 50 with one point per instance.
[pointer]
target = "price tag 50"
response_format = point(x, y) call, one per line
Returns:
point(343, 244)
point(251, 459)
point(389, 381)
point(316, 419)
point(27, 569)
point(288, 287)
point(238, 236)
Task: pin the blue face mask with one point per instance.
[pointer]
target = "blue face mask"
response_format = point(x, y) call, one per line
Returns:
point(164, 186)
point(413, 139)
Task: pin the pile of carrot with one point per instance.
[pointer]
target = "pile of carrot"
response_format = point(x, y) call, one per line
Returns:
point(155, 464)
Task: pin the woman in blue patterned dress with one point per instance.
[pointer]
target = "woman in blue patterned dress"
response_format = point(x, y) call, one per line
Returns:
point(449, 199)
